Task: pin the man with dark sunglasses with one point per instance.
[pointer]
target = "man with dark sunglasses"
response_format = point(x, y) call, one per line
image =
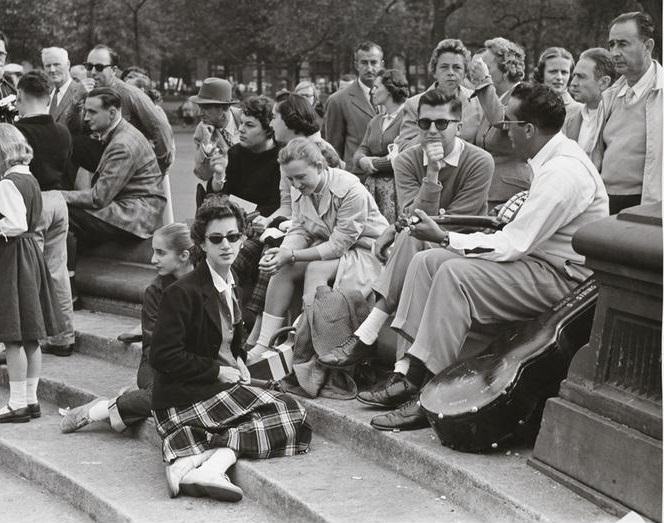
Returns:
point(441, 172)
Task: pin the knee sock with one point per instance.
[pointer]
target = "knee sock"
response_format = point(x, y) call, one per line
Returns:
point(31, 385)
point(369, 329)
point(417, 374)
point(99, 411)
point(269, 325)
point(17, 397)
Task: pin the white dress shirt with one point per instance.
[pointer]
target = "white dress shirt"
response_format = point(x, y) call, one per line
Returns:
point(640, 87)
point(590, 122)
point(61, 92)
point(224, 287)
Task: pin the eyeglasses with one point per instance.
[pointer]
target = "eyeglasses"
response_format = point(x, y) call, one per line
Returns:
point(504, 124)
point(97, 67)
point(441, 123)
point(217, 238)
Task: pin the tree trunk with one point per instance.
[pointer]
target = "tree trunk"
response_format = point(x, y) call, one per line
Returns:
point(259, 75)
point(442, 9)
point(137, 45)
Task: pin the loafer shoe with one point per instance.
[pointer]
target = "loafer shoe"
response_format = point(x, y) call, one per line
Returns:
point(409, 416)
point(351, 351)
point(35, 410)
point(390, 394)
point(201, 482)
point(130, 337)
point(21, 415)
point(78, 417)
point(176, 471)
point(58, 350)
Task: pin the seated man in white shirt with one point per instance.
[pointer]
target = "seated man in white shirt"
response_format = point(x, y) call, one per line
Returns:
point(512, 275)
point(593, 74)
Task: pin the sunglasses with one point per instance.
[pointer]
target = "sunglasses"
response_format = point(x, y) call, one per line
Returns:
point(97, 67)
point(441, 123)
point(217, 238)
point(504, 124)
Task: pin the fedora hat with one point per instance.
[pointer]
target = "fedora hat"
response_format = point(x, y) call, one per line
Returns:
point(214, 91)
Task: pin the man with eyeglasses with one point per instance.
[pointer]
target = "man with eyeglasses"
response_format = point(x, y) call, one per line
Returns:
point(137, 108)
point(126, 200)
point(511, 275)
point(441, 172)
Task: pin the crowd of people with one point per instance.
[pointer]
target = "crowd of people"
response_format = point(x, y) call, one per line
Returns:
point(347, 190)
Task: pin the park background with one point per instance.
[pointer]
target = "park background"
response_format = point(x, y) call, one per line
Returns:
point(267, 45)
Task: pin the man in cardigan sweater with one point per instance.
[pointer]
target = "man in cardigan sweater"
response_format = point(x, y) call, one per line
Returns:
point(51, 144)
point(440, 172)
point(629, 148)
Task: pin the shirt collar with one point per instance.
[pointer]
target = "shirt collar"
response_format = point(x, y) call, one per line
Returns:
point(545, 152)
point(20, 169)
point(62, 90)
point(219, 283)
point(453, 157)
point(365, 89)
point(393, 115)
point(640, 87)
point(106, 135)
point(588, 114)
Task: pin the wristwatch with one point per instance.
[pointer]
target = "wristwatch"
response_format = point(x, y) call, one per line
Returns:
point(445, 242)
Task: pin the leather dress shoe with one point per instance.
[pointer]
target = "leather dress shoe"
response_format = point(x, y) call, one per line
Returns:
point(35, 410)
point(351, 351)
point(58, 350)
point(21, 415)
point(409, 416)
point(130, 337)
point(390, 394)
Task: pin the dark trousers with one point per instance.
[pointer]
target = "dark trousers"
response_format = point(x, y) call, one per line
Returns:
point(88, 230)
point(618, 202)
point(133, 406)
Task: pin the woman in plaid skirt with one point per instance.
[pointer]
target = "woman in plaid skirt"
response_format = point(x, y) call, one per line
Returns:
point(205, 412)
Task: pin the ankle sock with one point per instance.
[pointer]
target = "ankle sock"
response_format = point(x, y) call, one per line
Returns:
point(417, 374)
point(99, 411)
point(31, 385)
point(269, 325)
point(17, 396)
point(369, 329)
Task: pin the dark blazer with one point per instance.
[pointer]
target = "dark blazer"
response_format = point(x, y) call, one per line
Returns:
point(346, 118)
point(69, 111)
point(186, 340)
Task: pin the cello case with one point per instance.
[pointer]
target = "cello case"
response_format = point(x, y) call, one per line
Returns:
point(489, 399)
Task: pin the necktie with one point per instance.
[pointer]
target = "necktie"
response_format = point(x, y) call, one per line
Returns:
point(54, 101)
point(371, 100)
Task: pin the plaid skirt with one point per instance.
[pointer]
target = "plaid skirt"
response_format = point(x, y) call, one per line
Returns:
point(255, 423)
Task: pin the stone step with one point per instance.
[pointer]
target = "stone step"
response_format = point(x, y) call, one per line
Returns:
point(23, 501)
point(338, 485)
point(500, 484)
point(104, 476)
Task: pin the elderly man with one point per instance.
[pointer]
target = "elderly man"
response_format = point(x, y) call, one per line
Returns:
point(126, 200)
point(67, 95)
point(219, 128)
point(593, 74)
point(51, 144)
point(441, 171)
point(629, 149)
point(137, 108)
point(512, 275)
point(349, 110)
point(448, 65)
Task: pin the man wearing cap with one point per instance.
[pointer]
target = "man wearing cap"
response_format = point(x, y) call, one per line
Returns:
point(218, 129)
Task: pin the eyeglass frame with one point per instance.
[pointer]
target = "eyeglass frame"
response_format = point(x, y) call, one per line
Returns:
point(503, 124)
point(90, 66)
point(435, 122)
point(222, 237)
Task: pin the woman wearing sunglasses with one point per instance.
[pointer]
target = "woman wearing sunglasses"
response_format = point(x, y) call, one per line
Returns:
point(335, 224)
point(204, 409)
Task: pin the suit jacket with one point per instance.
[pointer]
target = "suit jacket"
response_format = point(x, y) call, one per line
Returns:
point(186, 341)
point(346, 118)
point(142, 113)
point(471, 116)
point(69, 111)
point(126, 187)
point(376, 140)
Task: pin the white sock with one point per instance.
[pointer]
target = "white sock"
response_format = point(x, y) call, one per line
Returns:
point(17, 399)
point(402, 366)
point(99, 411)
point(31, 390)
point(269, 325)
point(368, 331)
point(220, 461)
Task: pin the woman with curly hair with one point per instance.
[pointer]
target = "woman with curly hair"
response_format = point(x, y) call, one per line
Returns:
point(372, 156)
point(495, 70)
point(554, 69)
point(204, 408)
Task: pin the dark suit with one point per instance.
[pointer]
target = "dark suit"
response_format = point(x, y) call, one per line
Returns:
point(186, 340)
point(346, 118)
point(69, 111)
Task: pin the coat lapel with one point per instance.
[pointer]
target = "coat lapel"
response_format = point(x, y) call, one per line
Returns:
point(359, 100)
point(66, 100)
point(211, 297)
